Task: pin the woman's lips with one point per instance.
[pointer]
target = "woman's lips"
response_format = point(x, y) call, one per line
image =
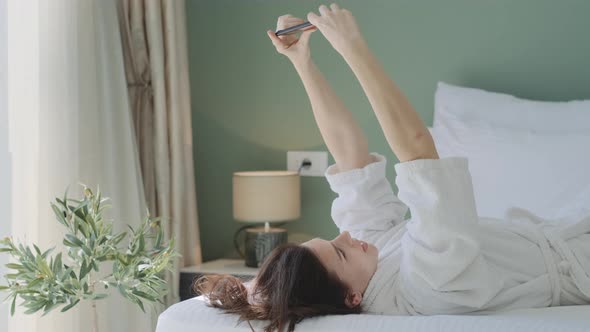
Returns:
point(365, 246)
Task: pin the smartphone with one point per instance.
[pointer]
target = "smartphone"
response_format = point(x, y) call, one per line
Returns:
point(293, 29)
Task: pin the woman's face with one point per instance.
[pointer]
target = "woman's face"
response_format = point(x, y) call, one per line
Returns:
point(353, 261)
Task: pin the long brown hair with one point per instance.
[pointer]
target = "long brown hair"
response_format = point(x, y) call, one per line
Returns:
point(292, 285)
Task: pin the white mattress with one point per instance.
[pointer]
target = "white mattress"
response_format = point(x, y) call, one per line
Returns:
point(193, 316)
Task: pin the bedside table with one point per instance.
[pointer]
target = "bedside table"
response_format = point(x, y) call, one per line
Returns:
point(234, 267)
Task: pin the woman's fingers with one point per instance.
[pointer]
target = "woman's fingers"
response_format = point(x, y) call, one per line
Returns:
point(313, 18)
point(287, 21)
point(275, 40)
point(292, 19)
point(306, 35)
point(284, 43)
point(324, 10)
point(282, 18)
point(338, 26)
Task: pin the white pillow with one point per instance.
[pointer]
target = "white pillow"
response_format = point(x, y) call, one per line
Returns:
point(506, 111)
point(547, 174)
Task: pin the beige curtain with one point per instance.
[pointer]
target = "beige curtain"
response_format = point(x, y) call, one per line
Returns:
point(156, 66)
point(68, 123)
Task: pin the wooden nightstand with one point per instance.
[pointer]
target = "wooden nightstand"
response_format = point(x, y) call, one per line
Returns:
point(189, 274)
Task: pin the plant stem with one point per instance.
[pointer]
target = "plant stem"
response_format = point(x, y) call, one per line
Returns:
point(94, 317)
point(94, 312)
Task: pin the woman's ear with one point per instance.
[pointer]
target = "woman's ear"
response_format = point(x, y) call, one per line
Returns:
point(353, 299)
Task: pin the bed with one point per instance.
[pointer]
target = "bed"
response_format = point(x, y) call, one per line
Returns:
point(194, 315)
point(541, 141)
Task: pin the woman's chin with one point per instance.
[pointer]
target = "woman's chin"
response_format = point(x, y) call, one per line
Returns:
point(372, 250)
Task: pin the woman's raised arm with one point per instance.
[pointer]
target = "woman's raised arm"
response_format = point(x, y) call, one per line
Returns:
point(341, 133)
point(404, 130)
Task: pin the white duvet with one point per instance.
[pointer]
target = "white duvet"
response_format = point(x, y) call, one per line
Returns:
point(194, 316)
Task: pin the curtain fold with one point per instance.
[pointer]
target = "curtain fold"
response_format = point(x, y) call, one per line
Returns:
point(5, 170)
point(70, 123)
point(156, 66)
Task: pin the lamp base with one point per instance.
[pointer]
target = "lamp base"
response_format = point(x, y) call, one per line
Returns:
point(260, 243)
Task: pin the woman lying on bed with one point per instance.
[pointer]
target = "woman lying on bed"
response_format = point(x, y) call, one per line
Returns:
point(444, 260)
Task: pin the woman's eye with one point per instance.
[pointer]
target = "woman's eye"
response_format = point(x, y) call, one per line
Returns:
point(342, 252)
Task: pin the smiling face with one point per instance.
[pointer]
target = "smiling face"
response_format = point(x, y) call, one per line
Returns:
point(353, 261)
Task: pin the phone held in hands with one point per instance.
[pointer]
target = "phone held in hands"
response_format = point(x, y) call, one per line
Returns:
point(293, 29)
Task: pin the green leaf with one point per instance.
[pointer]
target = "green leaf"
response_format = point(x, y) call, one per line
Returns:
point(84, 269)
point(70, 306)
point(74, 240)
point(14, 266)
point(137, 301)
point(140, 304)
point(101, 240)
point(119, 238)
point(87, 250)
point(72, 273)
point(48, 307)
point(34, 307)
point(81, 205)
point(69, 289)
point(43, 267)
point(47, 252)
point(57, 264)
point(13, 305)
point(143, 294)
point(80, 211)
point(92, 223)
point(122, 290)
point(76, 283)
point(60, 215)
point(34, 282)
point(158, 238)
point(81, 224)
point(122, 259)
point(141, 245)
point(28, 252)
point(61, 202)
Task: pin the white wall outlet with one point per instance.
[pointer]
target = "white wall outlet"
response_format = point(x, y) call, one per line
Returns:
point(318, 159)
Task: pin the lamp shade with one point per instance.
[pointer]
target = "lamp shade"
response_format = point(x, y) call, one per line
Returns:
point(266, 196)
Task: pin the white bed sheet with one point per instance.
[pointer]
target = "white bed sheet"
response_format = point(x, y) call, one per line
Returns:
point(193, 316)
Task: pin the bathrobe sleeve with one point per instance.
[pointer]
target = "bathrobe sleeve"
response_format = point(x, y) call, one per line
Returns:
point(366, 205)
point(443, 269)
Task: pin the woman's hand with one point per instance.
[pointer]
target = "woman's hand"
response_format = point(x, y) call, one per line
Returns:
point(293, 47)
point(339, 27)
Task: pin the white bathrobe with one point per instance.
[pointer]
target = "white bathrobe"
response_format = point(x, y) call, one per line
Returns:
point(447, 260)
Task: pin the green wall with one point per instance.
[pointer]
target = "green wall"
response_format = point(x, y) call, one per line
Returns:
point(249, 107)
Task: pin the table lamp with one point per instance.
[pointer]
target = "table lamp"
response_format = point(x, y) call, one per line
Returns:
point(264, 197)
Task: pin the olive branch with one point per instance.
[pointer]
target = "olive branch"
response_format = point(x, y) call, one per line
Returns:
point(45, 282)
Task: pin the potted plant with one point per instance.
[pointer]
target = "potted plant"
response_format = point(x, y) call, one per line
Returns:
point(45, 282)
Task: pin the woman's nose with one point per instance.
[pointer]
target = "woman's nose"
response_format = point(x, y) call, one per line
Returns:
point(346, 236)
